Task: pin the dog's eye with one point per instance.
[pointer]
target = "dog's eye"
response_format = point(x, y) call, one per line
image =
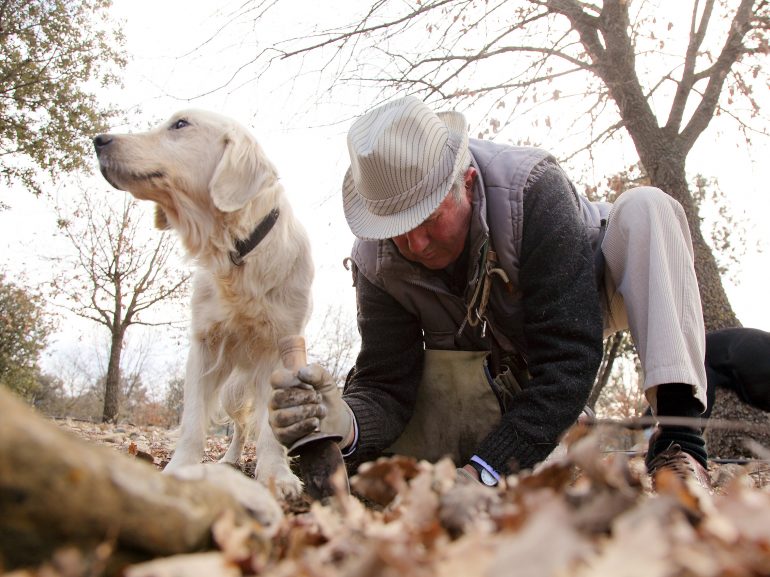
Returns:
point(181, 123)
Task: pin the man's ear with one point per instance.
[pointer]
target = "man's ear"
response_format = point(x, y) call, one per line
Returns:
point(470, 179)
point(161, 222)
point(241, 172)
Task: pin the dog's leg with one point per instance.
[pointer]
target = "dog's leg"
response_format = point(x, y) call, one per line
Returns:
point(200, 388)
point(273, 468)
point(234, 451)
point(272, 462)
point(237, 399)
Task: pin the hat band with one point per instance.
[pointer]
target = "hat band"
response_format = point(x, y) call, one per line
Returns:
point(429, 183)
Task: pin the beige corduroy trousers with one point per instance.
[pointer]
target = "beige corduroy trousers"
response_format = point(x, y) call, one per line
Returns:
point(651, 289)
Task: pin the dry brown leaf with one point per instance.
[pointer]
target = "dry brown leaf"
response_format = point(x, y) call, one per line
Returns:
point(556, 476)
point(469, 507)
point(469, 555)
point(602, 469)
point(749, 513)
point(705, 559)
point(356, 515)
point(380, 481)
point(298, 533)
point(213, 564)
point(547, 543)
point(444, 475)
point(596, 510)
point(232, 539)
point(418, 504)
point(641, 548)
point(329, 522)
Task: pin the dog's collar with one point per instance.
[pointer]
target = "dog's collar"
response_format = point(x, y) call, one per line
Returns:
point(244, 247)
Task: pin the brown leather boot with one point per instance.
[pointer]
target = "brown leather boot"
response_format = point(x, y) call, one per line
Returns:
point(682, 464)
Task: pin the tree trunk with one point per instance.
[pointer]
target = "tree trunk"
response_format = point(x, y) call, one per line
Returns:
point(57, 490)
point(731, 444)
point(112, 381)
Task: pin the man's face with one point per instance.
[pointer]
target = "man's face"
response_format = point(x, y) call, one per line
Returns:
point(439, 240)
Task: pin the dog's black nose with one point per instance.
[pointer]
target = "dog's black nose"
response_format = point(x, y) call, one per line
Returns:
point(101, 141)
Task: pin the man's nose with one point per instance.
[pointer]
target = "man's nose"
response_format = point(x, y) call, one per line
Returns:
point(417, 239)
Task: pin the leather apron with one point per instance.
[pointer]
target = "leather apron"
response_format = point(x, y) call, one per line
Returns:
point(456, 408)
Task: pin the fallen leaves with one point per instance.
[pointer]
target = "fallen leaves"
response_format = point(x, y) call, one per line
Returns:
point(585, 513)
point(604, 522)
point(212, 564)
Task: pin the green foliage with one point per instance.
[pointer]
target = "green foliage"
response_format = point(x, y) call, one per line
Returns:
point(173, 399)
point(24, 329)
point(53, 53)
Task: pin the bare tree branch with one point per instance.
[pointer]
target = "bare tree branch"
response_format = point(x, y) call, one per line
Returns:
point(689, 76)
point(502, 52)
point(731, 52)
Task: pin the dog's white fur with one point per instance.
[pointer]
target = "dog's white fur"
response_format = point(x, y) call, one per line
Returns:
point(213, 184)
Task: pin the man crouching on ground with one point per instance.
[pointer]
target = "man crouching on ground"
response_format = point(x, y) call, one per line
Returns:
point(482, 281)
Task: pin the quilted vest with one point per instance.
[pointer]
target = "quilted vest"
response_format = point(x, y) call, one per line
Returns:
point(497, 219)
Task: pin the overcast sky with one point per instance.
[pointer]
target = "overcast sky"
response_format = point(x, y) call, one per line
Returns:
point(176, 57)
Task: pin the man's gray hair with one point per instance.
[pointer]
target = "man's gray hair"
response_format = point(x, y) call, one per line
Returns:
point(458, 186)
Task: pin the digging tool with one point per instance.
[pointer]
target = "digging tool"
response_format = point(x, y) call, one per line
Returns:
point(318, 453)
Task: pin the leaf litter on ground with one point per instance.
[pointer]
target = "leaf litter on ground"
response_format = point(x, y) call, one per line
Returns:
point(583, 513)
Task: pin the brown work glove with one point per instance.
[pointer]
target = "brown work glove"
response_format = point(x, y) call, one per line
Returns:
point(307, 402)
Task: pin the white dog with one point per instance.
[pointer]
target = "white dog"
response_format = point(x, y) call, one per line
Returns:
point(214, 185)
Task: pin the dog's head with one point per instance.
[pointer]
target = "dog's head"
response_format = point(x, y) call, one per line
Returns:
point(194, 159)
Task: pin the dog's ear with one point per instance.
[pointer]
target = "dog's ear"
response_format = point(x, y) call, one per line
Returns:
point(241, 172)
point(161, 222)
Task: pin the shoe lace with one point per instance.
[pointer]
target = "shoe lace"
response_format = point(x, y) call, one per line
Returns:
point(675, 460)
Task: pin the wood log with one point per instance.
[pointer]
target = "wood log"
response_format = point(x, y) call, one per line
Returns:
point(56, 490)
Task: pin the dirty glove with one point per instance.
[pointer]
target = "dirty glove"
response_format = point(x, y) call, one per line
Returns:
point(307, 402)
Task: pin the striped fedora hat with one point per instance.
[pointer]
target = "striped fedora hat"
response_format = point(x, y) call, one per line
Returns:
point(403, 160)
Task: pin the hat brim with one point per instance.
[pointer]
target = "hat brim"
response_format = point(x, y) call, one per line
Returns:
point(369, 226)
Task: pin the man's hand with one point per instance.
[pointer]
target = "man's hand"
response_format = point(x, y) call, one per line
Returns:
point(467, 474)
point(308, 402)
point(478, 471)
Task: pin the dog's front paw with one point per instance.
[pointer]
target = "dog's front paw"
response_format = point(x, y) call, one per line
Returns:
point(228, 460)
point(179, 461)
point(281, 480)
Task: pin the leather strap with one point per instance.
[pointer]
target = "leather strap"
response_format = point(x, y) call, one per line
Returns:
point(245, 246)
